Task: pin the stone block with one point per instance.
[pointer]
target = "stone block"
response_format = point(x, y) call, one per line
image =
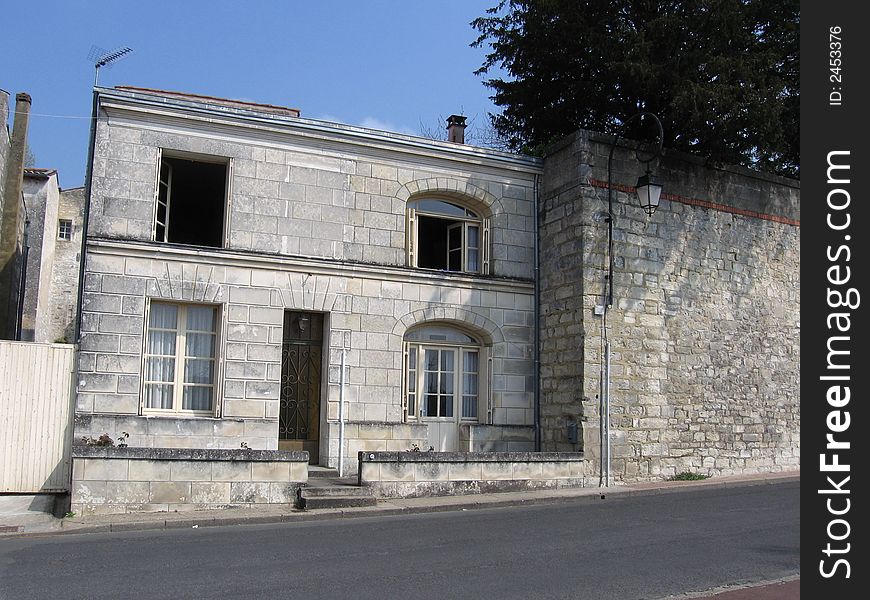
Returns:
point(370, 471)
point(527, 470)
point(190, 470)
point(249, 492)
point(105, 469)
point(210, 492)
point(433, 471)
point(496, 470)
point(231, 471)
point(169, 492)
point(282, 493)
point(375, 431)
point(89, 492)
point(397, 471)
point(299, 472)
point(270, 471)
point(127, 492)
point(148, 470)
point(556, 470)
point(464, 471)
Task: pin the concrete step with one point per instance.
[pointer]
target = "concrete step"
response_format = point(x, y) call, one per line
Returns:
point(317, 472)
point(335, 502)
point(332, 492)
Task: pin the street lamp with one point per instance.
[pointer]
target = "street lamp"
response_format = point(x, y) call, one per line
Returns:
point(649, 192)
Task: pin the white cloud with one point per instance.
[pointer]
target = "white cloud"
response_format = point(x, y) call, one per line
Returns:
point(376, 123)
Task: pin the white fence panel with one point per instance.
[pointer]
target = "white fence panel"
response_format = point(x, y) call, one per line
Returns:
point(36, 410)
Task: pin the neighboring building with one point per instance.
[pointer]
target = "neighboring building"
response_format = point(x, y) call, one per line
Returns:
point(53, 244)
point(238, 255)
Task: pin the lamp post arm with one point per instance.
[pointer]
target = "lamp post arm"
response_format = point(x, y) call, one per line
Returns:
point(613, 145)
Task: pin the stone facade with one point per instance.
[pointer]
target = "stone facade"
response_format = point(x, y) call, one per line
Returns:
point(53, 261)
point(704, 328)
point(315, 221)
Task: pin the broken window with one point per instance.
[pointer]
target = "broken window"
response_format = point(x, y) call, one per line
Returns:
point(191, 201)
point(446, 236)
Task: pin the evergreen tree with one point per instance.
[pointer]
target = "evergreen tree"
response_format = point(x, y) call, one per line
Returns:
point(723, 75)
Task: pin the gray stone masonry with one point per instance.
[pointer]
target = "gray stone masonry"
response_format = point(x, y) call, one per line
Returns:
point(418, 474)
point(110, 480)
point(705, 325)
point(315, 221)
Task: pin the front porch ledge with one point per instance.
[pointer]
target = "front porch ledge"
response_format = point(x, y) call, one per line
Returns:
point(203, 454)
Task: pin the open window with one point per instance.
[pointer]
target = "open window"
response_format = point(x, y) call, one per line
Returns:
point(446, 236)
point(191, 200)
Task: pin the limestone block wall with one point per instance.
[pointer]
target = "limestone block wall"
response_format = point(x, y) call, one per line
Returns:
point(419, 474)
point(41, 199)
point(121, 480)
point(297, 192)
point(368, 315)
point(705, 324)
point(67, 263)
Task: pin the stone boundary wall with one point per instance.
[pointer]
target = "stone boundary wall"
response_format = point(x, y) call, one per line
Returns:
point(421, 474)
point(705, 323)
point(121, 480)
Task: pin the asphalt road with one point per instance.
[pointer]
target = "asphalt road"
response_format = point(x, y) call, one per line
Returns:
point(619, 548)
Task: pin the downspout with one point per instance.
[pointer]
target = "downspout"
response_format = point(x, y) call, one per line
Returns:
point(85, 217)
point(537, 317)
point(341, 414)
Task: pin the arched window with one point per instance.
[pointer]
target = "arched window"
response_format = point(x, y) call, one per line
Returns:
point(447, 236)
point(445, 375)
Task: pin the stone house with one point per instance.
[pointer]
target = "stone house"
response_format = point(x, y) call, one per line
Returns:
point(247, 270)
point(53, 240)
point(257, 279)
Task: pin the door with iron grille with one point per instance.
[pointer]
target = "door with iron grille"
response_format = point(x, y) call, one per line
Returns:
point(301, 367)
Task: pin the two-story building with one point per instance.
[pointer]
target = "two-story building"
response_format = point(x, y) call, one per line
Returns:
point(257, 279)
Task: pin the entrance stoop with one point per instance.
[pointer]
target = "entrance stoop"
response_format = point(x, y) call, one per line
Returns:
point(325, 489)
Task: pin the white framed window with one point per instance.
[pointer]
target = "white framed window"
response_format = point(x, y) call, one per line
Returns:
point(191, 199)
point(180, 361)
point(443, 375)
point(446, 236)
point(64, 229)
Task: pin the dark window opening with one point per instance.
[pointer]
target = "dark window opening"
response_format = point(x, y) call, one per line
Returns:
point(191, 200)
point(432, 242)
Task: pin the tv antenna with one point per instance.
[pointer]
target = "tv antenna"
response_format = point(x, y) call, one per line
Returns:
point(102, 58)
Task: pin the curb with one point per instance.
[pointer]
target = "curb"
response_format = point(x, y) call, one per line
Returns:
point(394, 507)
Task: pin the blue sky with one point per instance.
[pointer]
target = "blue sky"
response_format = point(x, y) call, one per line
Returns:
point(386, 64)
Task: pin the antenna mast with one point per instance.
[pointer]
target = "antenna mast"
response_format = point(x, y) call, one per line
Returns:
point(102, 58)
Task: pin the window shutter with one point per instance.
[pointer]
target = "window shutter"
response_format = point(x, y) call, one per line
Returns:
point(405, 346)
point(485, 246)
point(156, 194)
point(227, 203)
point(411, 238)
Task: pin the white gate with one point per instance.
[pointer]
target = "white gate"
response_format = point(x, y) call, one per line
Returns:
point(36, 396)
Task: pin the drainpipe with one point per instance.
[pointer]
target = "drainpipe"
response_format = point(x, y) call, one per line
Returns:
point(341, 415)
point(85, 219)
point(537, 317)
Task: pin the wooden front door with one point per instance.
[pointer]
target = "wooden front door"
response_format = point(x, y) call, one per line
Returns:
point(301, 368)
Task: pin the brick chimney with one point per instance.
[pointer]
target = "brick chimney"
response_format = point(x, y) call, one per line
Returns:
point(456, 129)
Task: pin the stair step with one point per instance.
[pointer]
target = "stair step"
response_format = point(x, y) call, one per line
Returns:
point(336, 502)
point(318, 472)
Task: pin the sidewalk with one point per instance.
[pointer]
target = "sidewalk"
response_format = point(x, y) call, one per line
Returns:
point(18, 525)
